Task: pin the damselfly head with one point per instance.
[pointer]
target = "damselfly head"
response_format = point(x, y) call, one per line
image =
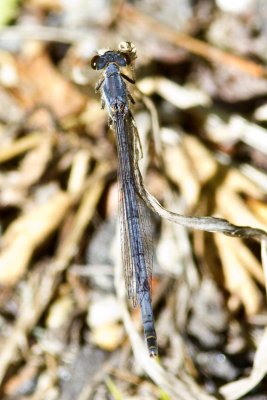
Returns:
point(100, 61)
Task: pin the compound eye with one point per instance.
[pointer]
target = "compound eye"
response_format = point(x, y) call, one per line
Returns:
point(127, 58)
point(124, 59)
point(94, 62)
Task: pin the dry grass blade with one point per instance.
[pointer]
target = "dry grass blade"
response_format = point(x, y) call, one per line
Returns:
point(95, 184)
point(189, 165)
point(247, 260)
point(236, 128)
point(237, 279)
point(180, 96)
point(78, 171)
point(238, 211)
point(20, 146)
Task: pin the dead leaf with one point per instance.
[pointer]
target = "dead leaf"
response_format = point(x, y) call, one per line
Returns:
point(42, 83)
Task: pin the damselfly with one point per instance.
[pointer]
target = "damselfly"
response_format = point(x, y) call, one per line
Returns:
point(136, 242)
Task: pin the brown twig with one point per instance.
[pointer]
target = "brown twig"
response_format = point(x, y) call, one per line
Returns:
point(195, 46)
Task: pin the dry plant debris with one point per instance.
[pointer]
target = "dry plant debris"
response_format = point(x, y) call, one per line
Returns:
point(66, 331)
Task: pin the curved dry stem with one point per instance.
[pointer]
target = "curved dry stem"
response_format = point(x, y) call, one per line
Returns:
point(208, 224)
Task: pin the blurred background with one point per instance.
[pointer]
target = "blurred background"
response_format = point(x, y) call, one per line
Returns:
point(66, 332)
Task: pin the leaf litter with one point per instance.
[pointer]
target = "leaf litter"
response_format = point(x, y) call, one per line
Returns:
point(57, 174)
